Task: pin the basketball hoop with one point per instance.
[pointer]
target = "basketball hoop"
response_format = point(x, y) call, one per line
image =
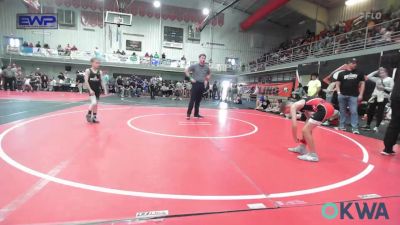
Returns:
point(123, 4)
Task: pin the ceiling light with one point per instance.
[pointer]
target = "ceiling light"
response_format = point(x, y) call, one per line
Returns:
point(206, 11)
point(157, 4)
point(353, 2)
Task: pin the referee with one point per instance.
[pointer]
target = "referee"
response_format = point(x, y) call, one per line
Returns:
point(200, 76)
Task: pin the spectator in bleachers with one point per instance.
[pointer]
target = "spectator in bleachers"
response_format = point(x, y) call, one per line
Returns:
point(46, 46)
point(74, 48)
point(97, 52)
point(146, 55)
point(52, 83)
point(60, 49)
point(164, 90)
point(350, 87)
point(340, 35)
point(38, 45)
point(80, 80)
point(299, 92)
point(178, 91)
point(30, 45)
point(25, 44)
point(27, 84)
point(61, 78)
point(262, 103)
point(67, 50)
point(163, 56)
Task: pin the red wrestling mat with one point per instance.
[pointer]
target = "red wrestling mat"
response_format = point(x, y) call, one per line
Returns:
point(44, 96)
point(58, 168)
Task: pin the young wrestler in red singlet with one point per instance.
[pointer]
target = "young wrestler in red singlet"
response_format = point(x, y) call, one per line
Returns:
point(317, 111)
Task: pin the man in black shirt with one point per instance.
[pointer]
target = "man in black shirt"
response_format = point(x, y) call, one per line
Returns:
point(350, 85)
point(393, 130)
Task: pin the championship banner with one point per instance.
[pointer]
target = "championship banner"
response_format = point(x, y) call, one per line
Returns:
point(272, 89)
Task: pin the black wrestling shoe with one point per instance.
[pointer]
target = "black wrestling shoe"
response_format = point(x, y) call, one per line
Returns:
point(366, 127)
point(89, 118)
point(199, 116)
point(94, 120)
point(188, 117)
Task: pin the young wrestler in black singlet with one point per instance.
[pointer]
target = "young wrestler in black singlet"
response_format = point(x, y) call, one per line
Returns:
point(93, 77)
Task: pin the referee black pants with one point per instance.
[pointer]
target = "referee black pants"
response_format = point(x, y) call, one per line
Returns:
point(393, 130)
point(195, 98)
point(152, 89)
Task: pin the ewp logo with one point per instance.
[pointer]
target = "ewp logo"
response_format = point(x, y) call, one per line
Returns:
point(37, 21)
point(364, 211)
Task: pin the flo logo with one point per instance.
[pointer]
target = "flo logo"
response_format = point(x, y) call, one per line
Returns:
point(350, 210)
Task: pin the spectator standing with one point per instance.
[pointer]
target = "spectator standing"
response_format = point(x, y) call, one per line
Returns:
point(215, 92)
point(80, 80)
point(350, 87)
point(9, 77)
point(106, 79)
point(314, 86)
point(330, 80)
point(152, 88)
point(188, 86)
point(380, 97)
point(393, 130)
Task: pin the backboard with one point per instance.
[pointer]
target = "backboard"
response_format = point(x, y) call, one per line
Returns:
point(118, 18)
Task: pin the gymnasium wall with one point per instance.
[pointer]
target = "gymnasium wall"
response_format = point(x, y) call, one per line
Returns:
point(231, 42)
